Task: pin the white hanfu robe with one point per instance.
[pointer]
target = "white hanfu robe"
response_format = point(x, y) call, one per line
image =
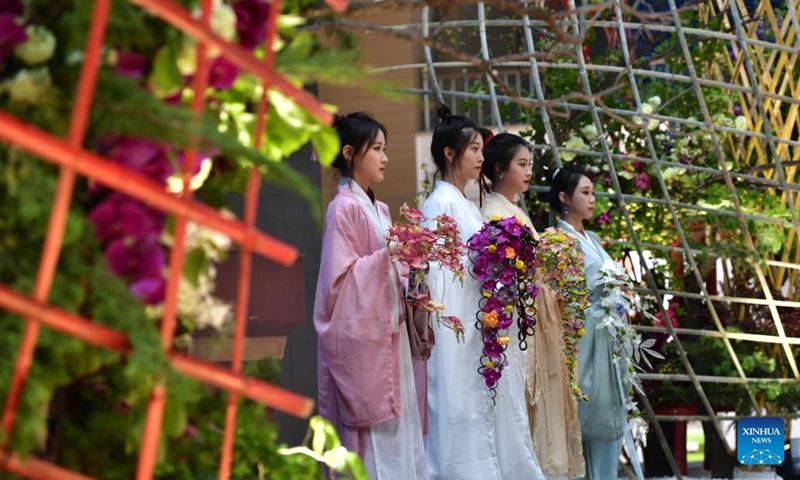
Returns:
point(552, 409)
point(469, 438)
point(365, 354)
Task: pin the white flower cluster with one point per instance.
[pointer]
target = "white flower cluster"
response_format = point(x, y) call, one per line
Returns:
point(223, 23)
point(617, 303)
point(196, 301)
point(31, 85)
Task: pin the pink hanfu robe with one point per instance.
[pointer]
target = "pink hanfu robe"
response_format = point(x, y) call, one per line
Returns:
point(367, 386)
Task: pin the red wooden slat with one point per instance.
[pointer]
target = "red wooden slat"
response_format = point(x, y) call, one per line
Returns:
point(108, 338)
point(56, 151)
point(59, 212)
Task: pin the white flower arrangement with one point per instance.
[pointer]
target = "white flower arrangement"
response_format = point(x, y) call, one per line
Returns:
point(39, 46)
point(617, 303)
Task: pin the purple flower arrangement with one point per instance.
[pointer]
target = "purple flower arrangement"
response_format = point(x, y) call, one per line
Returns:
point(503, 254)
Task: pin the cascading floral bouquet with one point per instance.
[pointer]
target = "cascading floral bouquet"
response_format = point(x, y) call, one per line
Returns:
point(416, 246)
point(503, 251)
point(618, 302)
point(561, 264)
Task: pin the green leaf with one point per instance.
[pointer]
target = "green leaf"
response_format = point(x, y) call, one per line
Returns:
point(195, 264)
point(326, 145)
point(166, 79)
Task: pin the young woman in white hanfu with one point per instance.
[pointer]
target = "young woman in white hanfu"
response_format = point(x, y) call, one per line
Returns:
point(469, 438)
point(552, 409)
point(603, 418)
point(367, 386)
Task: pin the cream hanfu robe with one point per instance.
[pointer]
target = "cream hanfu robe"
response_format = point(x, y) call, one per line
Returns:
point(552, 409)
point(469, 438)
point(366, 374)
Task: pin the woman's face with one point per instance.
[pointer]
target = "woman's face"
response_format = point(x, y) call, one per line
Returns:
point(581, 204)
point(370, 167)
point(471, 159)
point(517, 177)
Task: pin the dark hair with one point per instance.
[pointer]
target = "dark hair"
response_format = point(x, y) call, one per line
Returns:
point(454, 131)
point(565, 180)
point(359, 130)
point(498, 153)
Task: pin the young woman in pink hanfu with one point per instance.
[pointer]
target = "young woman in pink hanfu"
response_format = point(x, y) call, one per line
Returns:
point(367, 384)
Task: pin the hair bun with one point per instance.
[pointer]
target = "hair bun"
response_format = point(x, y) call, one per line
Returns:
point(444, 112)
point(337, 119)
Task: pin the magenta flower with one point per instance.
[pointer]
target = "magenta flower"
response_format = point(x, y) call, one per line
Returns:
point(121, 216)
point(136, 258)
point(131, 65)
point(604, 218)
point(642, 182)
point(222, 74)
point(11, 34)
point(140, 155)
point(491, 376)
point(251, 22)
point(149, 290)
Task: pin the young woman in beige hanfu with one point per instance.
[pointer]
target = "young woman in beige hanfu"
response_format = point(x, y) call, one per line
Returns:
point(552, 409)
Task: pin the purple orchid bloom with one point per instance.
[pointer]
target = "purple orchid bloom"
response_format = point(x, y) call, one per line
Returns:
point(492, 349)
point(131, 65)
point(149, 290)
point(222, 74)
point(11, 34)
point(504, 321)
point(121, 216)
point(136, 259)
point(491, 376)
point(140, 155)
point(507, 276)
point(251, 22)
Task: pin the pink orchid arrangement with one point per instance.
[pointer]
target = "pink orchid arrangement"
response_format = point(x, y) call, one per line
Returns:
point(560, 262)
point(504, 253)
point(416, 246)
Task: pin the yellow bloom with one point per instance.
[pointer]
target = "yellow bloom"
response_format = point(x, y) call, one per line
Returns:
point(520, 265)
point(487, 294)
point(503, 340)
point(561, 237)
point(510, 253)
point(490, 319)
point(509, 308)
point(489, 364)
point(491, 248)
point(496, 218)
point(581, 332)
point(562, 266)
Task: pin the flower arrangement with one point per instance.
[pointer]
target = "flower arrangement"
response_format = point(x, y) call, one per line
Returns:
point(560, 262)
point(415, 246)
point(618, 302)
point(503, 252)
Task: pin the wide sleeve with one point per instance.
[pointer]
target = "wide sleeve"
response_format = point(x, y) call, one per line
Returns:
point(353, 317)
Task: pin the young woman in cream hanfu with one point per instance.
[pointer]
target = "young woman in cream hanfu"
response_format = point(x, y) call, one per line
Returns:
point(603, 418)
point(367, 384)
point(552, 409)
point(469, 438)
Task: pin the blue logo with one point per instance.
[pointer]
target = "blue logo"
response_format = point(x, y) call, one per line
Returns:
point(759, 441)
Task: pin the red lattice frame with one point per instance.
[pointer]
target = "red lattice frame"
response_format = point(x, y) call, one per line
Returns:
point(74, 160)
